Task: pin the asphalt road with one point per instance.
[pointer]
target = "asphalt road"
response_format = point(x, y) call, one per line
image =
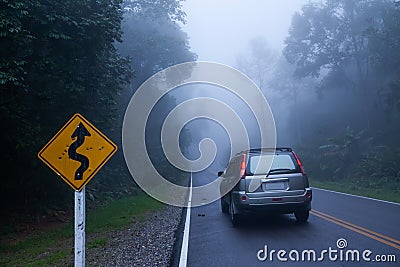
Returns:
point(364, 224)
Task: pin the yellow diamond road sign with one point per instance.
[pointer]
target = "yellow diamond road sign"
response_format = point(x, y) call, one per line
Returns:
point(77, 152)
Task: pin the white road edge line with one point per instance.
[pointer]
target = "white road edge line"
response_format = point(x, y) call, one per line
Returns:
point(379, 200)
point(185, 242)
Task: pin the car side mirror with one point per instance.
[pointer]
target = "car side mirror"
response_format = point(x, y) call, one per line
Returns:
point(220, 173)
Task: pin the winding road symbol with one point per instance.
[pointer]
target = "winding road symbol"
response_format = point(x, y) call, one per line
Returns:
point(63, 153)
point(80, 133)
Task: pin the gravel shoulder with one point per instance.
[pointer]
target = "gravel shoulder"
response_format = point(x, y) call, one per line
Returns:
point(146, 243)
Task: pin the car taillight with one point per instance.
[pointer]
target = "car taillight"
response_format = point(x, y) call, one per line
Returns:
point(299, 163)
point(243, 166)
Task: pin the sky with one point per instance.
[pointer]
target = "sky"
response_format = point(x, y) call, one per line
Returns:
point(220, 30)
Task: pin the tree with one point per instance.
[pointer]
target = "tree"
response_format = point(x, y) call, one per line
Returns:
point(154, 41)
point(291, 94)
point(167, 10)
point(56, 58)
point(337, 39)
point(259, 62)
point(351, 49)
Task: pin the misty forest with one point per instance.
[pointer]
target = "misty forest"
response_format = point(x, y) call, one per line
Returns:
point(334, 90)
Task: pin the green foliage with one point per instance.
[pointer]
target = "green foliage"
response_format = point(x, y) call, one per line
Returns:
point(154, 41)
point(353, 163)
point(120, 213)
point(169, 10)
point(56, 58)
point(335, 33)
point(351, 47)
point(381, 162)
point(339, 156)
point(349, 44)
point(360, 189)
point(98, 242)
point(54, 246)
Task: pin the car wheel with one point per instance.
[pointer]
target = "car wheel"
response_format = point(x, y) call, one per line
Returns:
point(235, 218)
point(302, 216)
point(224, 206)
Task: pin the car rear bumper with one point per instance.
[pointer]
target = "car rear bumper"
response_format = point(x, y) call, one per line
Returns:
point(279, 204)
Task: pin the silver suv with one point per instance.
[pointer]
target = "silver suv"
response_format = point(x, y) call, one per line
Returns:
point(283, 189)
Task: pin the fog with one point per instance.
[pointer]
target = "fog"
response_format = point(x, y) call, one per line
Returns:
point(220, 30)
point(328, 71)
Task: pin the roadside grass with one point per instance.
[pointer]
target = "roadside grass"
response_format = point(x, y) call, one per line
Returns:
point(54, 246)
point(357, 189)
point(120, 213)
point(97, 242)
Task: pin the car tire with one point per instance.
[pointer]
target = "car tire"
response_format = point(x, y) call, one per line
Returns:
point(235, 218)
point(302, 216)
point(224, 207)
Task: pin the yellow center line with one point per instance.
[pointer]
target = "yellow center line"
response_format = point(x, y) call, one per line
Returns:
point(358, 229)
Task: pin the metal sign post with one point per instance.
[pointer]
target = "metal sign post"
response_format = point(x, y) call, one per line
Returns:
point(80, 215)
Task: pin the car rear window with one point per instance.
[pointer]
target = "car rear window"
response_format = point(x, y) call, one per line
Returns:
point(258, 164)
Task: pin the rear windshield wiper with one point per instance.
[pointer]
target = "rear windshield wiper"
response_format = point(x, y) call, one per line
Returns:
point(281, 170)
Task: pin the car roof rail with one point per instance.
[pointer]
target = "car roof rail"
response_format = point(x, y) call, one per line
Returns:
point(256, 150)
point(286, 149)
